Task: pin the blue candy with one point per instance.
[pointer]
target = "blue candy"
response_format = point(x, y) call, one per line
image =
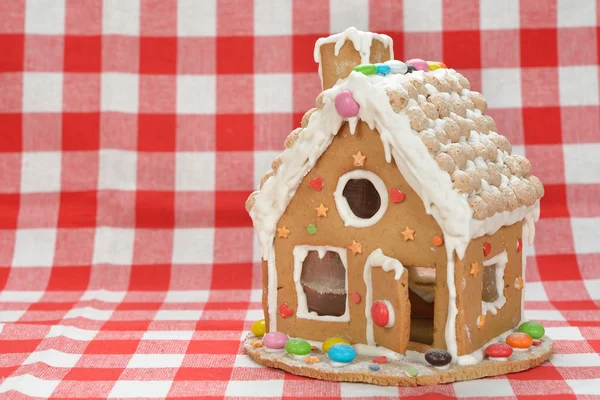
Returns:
point(383, 69)
point(341, 353)
point(374, 367)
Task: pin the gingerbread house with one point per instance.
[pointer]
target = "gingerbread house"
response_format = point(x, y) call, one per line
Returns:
point(396, 215)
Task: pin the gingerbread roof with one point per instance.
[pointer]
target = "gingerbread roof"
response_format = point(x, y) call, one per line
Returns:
point(439, 135)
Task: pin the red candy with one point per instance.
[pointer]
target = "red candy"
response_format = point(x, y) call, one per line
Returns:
point(537, 342)
point(487, 249)
point(317, 183)
point(498, 350)
point(397, 196)
point(285, 311)
point(380, 313)
point(380, 360)
point(519, 245)
point(355, 298)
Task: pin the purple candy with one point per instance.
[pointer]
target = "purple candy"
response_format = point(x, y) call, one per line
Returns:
point(419, 64)
point(275, 340)
point(345, 104)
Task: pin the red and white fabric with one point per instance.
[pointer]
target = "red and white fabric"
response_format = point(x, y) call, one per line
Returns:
point(132, 131)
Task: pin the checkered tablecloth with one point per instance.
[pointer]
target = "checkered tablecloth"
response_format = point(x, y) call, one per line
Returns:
point(132, 131)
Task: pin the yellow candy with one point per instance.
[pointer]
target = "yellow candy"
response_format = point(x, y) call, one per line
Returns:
point(331, 341)
point(258, 328)
point(433, 65)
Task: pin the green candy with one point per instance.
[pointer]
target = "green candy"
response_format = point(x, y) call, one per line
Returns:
point(311, 229)
point(297, 347)
point(367, 69)
point(533, 329)
point(410, 371)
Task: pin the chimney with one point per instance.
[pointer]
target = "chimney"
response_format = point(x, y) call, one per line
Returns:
point(338, 54)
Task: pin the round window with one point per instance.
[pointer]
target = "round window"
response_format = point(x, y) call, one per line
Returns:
point(361, 198)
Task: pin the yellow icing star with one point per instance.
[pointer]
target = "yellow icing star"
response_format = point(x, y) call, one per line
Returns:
point(283, 232)
point(356, 248)
point(359, 159)
point(409, 234)
point(322, 211)
point(474, 268)
point(519, 283)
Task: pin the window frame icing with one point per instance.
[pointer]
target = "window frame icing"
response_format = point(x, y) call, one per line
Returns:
point(343, 208)
point(499, 262)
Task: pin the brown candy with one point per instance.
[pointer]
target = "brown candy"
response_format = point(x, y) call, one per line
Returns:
point(481, 123)
point(513, 165)
point(501, 142)
point(468, 103)
point(490, 123)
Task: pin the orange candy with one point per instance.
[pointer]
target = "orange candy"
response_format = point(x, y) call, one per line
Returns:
point(437, 240)
point(519, 340)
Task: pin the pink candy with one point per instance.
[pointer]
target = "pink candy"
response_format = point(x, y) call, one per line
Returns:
point(275, 340)
point(419, 64)
point(345, 104)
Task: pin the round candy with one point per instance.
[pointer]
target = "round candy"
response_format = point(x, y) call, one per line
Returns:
point(331, 341)
point(311, 229)
point(259, 328)
point(419, 64)
point(355, 298)
point(433, 65)
point(274, 341)
point(367, 69)
point(533, 329)
point(298, 348)
point(519, 341)
point(383, 69)
point(498, 351)
point(410, 371)
point(341, 354)
point(410, 68)
point(374, 367)
point(397, 67)
point(382, 314)
point(345, 104)
point(438, 358)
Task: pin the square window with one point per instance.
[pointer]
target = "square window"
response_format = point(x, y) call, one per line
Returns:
point(234, 132)
point(120, 54)
point(235, 55)
point(195, 132)
point(154, 209)
point(193, 246)
point(9, 210)
point(273, 18)
point(113, 246)
point(12, 137)
point(196, 94)
point(158, 55)
point(84, 17)
point(42, 92)
point(539, 87)
point(80, 131)
point(12, 47)
point(81, 92)
point(273, 54)
point(235, 94)
point(577, 46)
point(159, 93)
point(156, 132)
point(117, 170)
point(425, 16)
point(118, 131)
point(462, 49)
point(79, 171)
point(46, 17)
point(492, 283)
point(83, 53)
point(119, 92)
point(196, 19)
point(156, 171)
point(581, 13)
point(149, 277)
point(153, 246)
point(542, 125)
point(44, 53)
point(42, 240)
point(41, 132)
point(74, 247)
point(500, 49)
point(38, 210)
point(158, 18)
point(321, 281)
point(11, 95)
point(341, 16)
point(502, 87)
point(194, 209)
point(230, 209)
point(194, 171)
point(539, 48)
point(302, 49)
point(10, 172)
point(233, 172)
point(40, 172)
point(498, 15)
point(572, 80)
point(272, 93)
point(582, 163)
point(121, 17)
point(77, 210)
point(196, 55)
point(238, 23)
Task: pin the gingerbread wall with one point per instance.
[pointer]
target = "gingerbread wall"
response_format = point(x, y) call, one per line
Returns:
point(386, 234)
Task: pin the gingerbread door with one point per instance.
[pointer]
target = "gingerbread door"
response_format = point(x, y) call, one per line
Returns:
point(387, 307)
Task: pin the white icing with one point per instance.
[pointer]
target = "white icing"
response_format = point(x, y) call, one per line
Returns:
point(498, 358)
point(443, 367)
point(500, 262)
point(391, 314)
point(338, 364)
point(523, 269)
point(491, 225)
point(272, 292)
point(300, 253)
point(298, 356)
point(343, 208)
point(377, 259)
point(377, 351)
point(361, 41)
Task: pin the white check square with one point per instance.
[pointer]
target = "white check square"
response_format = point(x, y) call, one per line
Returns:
point(502, 87)
point(273, 93)
point(195, 171)
point(577, 85)
point(342, 15)
point(118, 169)
point(475, 388)
point(576, 14)
point(197, 18)
point(53, 358)
point(263, 388)
point(34, 248)
point(42, 91)
point(113, 246)
point(140, 389)
point(156, 361)
point(45, 17)
point(582, 163)
point(121, 17)
point(119, 92)
point(422, 16)
point(40, 172)
point(586, 234)
point(272, 17)
point(262, 163)
point(196, 94)
point(496, 14)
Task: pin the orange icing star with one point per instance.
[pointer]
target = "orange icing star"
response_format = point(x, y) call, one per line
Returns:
point(474, 268)
point(481, 321)
point(322, 211)
point(283, 232)
point(409, 234)
point(355, 247)
point(257, 344)
point(359, 159)
point(312, 360)
point(519, 283)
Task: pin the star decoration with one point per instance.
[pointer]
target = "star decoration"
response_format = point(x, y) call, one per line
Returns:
point(519, 283)
point(359, 159)
point(322, 211)
point(409, 234)
point(356, 248)
point(481, 321)
point(283, 232)
point(474, 268)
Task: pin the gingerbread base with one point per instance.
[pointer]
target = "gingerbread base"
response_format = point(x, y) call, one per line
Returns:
point(393, 373)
